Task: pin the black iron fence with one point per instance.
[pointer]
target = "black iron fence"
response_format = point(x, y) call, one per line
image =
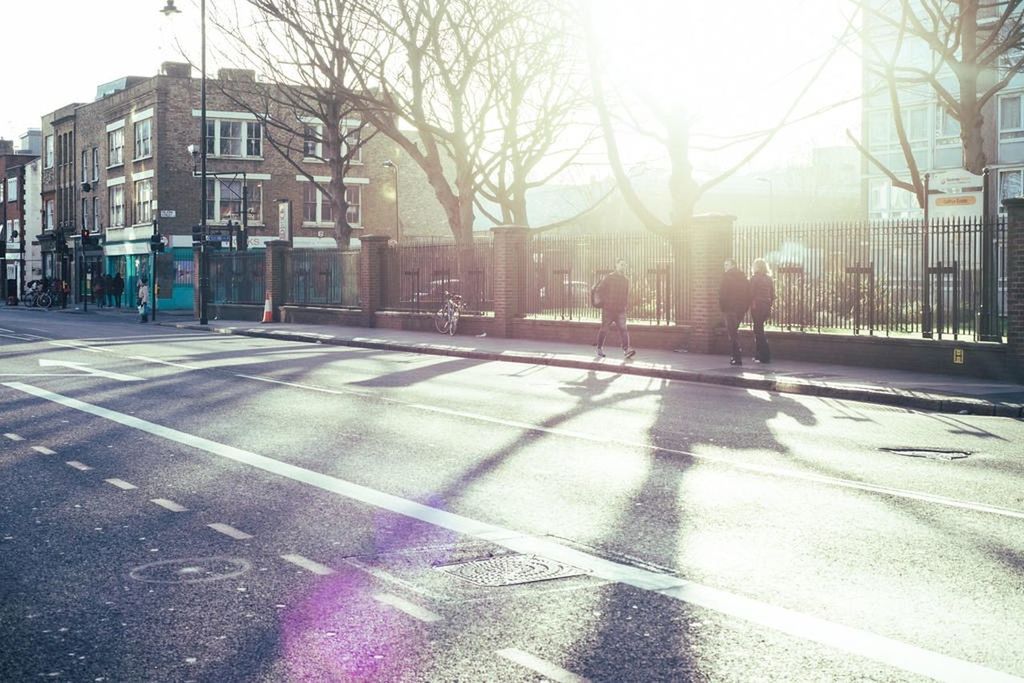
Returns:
point(420, 272)
point(887, 278)
point(325, 277)
point(236, 277)
point(558, 272)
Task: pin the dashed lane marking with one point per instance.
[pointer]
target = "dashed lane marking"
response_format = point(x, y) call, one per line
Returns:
point(14, 437)
point(169, 505)
point(229, 530)
point(121, 484)
point(889, 651)
point(79, 465)
point(44, 450)
point(541, 666)
point(410, 608)
point(308, 564)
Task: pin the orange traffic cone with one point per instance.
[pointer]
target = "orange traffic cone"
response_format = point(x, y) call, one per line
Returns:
point(268, 312)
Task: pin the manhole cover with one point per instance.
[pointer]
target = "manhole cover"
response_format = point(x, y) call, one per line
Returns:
point(191, 570)
point(507, 570)
point(930, 453)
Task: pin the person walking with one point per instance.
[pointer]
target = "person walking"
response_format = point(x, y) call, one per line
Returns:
point(734, 300)
point(611, 295)
point(143, 301)
point(762, 296)
point(99, 291)
point(117, 288)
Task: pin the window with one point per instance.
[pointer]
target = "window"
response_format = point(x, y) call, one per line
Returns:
point(316, 207)
point(1011, 184)
point(144, 139)
point(144, 200)
point(85, 165)
point(48, 153)
point(115, 147)
point(97, 218)
point(49, 214)
point(95, 163)
point(312, 144)
point(352, 139)
point(116, 194)
point(947, 128)
point(224, 200)
point(353, 196)
point(12, 189)
point(86, 214)
point(234, 138)
point(1010, 125)
point(313, 141)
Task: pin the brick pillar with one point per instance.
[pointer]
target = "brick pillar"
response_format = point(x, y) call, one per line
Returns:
point(372, 276)
point(511, 245)
point(1015, 286)
point(274, 276)
point(709, 241)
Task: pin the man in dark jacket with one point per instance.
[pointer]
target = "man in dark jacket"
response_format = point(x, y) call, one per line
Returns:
point(734, 300)
point(612, 295)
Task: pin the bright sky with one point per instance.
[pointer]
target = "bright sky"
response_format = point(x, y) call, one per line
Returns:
point(735, 64)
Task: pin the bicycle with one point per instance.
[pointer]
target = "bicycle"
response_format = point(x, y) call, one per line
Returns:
point(446, 320)
point(36, 295)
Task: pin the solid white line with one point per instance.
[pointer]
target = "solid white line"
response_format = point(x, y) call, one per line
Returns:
point(308, 564)
point(749, 467)
point(894, 653)
point(541, 666)
point(14, 437)
point(410, 608)
point(121, 484)
point(169, 505)
point(78, 465)
point(44, 450)
point(229, 530)
point(164, 362)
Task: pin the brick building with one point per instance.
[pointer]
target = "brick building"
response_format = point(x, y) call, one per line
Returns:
point(121, 167)
point(14, 193)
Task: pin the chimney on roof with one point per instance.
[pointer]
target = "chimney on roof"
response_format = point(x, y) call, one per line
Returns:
point(176, 69)
point(6, 146)
point(246, 75)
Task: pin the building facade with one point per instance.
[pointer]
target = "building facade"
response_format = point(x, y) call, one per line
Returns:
point(15, 192)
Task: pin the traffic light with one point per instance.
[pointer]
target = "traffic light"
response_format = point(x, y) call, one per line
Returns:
point(156, 242)
point(197, 234)
point(88, 240)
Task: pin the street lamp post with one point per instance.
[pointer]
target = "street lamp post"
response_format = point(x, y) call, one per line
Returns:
point(204, 271)
point(398, 220)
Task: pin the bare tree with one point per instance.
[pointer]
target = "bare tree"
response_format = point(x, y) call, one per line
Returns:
point(973, 49)
point(308, 110)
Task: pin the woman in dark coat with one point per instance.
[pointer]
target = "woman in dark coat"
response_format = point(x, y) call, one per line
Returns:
point(117, 288)
point(762, 291)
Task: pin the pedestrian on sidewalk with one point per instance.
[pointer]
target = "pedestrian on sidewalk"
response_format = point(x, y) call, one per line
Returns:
point(143, 301)
point(117, 288)
point(734, 301)
point(99, 291)
point(611, 295)
point(762, 295)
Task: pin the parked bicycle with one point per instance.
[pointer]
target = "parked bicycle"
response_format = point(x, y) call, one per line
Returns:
point(446, 320)
point(36, 294)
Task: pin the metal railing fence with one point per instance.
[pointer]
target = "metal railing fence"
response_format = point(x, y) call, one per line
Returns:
point(419, 272)
point(875, 278)
point(558, 272)
point(236, 277)
point(326, 277)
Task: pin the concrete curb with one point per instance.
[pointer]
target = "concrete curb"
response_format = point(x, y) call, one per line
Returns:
point(891, 397)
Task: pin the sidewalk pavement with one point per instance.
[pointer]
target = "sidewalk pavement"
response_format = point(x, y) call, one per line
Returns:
point(916, 390)
point(923, 391)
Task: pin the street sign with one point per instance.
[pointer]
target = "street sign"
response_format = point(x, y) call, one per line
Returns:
point(168, 213)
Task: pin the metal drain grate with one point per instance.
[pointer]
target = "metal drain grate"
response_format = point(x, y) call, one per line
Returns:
point(508, 570)
point(930, 453)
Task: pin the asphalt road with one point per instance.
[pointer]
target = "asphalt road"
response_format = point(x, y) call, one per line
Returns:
point(179, 506)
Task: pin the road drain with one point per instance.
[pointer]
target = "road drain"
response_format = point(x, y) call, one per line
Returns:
point(508, 570)
point(930, 453)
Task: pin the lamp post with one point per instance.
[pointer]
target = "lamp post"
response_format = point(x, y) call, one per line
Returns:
point(398, 220)
point(204, 271)
point(771, 198)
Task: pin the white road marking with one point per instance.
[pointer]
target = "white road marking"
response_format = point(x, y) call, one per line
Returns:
point(14, 437)
point(121, 484)
point(79, 465)
point(169, 505)
point(888, 651)
point(164, 362)
point(47, 362)
point(308, 564)
point(410, 608)
point(780, 472)
point(44, 450)
point(229, 530)
point(541, 666)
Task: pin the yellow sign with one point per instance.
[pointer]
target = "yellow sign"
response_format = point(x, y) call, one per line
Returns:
point(958, 356)
point(956, 201)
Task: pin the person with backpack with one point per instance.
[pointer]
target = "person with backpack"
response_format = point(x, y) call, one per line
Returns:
point(611, 295)
point(762, 295)
point(734, 300)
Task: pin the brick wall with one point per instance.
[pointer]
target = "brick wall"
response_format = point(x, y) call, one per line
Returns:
point(1015, 284)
